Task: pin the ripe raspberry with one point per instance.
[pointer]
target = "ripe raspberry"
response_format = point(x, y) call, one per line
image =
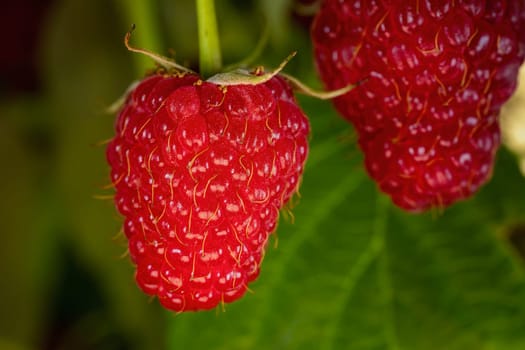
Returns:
point(201, 172)
point(436, 74)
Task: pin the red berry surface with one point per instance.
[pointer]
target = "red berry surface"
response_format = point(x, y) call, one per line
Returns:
point(434, 76)
point(201, 172)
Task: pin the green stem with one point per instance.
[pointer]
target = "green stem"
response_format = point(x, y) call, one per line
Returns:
point(144, 15)
point(210, 61)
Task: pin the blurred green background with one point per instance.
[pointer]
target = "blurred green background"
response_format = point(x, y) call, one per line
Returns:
point(349, 272)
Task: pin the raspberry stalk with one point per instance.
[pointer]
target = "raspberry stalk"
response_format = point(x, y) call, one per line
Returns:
point(210, 60)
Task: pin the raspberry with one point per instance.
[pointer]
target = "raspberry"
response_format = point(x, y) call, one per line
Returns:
point(435, 75)
point(201, 172)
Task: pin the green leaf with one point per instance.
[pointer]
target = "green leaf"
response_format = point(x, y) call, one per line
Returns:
point(354, 272)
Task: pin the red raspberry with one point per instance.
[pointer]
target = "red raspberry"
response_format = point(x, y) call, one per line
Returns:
point(435, 75)
point(200, 173)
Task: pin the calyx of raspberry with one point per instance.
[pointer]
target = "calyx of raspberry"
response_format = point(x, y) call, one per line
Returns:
point(242, 76)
